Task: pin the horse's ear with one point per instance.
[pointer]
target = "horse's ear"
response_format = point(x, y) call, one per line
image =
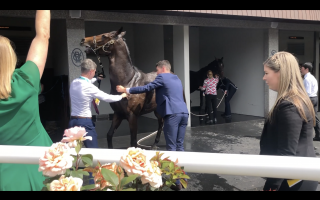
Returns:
point(119, 31)
point(221, 59)
point(123, 33)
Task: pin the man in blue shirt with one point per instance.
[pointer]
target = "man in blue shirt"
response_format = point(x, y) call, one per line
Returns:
point(170, 104)
point(311, 86)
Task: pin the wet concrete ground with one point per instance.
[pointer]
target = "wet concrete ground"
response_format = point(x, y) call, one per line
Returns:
point(240, 135)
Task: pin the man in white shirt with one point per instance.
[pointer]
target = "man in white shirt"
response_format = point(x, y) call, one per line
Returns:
point(311, 86)
point(82, 92)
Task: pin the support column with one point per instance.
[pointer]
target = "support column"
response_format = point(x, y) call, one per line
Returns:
point(271, 46)
point(76, 54)
point(181, 60)
point(316, 62)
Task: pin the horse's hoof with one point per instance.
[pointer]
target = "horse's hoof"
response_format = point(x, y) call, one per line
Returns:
point(154, 147)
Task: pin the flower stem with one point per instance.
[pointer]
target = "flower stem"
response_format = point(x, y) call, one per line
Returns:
point(78, 160)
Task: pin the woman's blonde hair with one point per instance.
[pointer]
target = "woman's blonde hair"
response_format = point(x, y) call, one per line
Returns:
point(291, 87)
point(8, 61)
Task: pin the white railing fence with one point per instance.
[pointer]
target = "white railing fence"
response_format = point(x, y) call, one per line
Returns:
point(303, 168)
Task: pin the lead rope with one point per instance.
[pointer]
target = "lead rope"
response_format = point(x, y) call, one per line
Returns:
point(207, 114)
point(144, 138)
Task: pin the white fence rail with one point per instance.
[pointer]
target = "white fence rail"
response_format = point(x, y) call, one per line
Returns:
point(209, 163)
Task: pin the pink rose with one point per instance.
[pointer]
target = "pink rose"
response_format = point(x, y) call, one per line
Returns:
point(56, 160)
point(134, 161)
point(66, 184)
point(153, 175)
point(74, 134)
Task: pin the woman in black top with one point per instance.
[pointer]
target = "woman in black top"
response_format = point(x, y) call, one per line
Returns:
point(288, 130)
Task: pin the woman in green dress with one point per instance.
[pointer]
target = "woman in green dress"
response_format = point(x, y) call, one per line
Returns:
point(19, 110)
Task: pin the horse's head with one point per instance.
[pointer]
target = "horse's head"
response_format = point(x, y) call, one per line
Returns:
point(103, 43)
point(217, 66)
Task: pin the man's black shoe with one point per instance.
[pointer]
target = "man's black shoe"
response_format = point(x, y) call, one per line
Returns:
point(223, 114)
point(316, 139)
point(209, 122)
point(227, 116)
point(177, 187)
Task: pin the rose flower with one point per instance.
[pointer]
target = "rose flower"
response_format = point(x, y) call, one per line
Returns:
point(153, 175)
point(74, 134)
point(66, 184)
point(134, 161)
point(56, 160)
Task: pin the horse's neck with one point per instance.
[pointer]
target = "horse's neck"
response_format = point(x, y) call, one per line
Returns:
point(121, 69)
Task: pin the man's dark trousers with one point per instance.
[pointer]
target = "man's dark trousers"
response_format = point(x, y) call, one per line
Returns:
point(89, 125)
point(174, 130)
point(314, 101)
point(227, 99)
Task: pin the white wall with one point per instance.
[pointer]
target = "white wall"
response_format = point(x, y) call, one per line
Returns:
point(145, 43)
point(242, 50)
point(308, 43)
point(194, 60)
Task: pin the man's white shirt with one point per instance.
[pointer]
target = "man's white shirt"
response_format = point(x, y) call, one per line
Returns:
point(82, 92)
point(311, 84)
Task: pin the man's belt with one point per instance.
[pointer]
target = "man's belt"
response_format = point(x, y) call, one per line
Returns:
point(78, 117)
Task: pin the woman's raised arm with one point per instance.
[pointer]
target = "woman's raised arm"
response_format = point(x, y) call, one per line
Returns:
point(38, 50)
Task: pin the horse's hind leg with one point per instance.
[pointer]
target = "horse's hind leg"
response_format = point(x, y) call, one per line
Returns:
point(160, 123)
point(116, 121)
point(133, 124)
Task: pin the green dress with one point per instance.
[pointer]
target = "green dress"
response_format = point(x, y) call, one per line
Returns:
point(20, 125)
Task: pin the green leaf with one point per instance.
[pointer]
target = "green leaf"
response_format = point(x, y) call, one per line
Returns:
point(67, 174)
point(87, 160)
point(184, 176)
point(110, 176)
point(128, 179)
point(77, 174)
point(48, 186)
point(129, 189)
point(152, 188)
point(83, 172)
point(50, 179)
point(171, 166)
point(183, 183)
point(88, 187)
point(168, 183)
point(78, 147)
point(165, 164)
point(175, 177)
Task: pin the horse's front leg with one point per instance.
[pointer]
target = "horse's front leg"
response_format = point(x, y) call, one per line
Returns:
point(133, 124)
point(160, 123)
point(116, 121)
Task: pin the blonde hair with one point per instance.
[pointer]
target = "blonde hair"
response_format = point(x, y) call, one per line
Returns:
point(291, 87)
point(8, 61)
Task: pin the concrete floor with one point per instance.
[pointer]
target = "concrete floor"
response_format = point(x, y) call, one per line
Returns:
point(240, 135)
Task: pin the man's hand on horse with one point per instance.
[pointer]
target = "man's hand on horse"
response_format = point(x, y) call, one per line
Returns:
point(121, 89)
point(124, 95)
point(100, 77)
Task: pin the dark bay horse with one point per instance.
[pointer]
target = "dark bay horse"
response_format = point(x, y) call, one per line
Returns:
point(122, 72)
point(197, 77)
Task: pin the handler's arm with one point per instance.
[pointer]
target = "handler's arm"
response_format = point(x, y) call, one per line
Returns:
point(158, 82)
